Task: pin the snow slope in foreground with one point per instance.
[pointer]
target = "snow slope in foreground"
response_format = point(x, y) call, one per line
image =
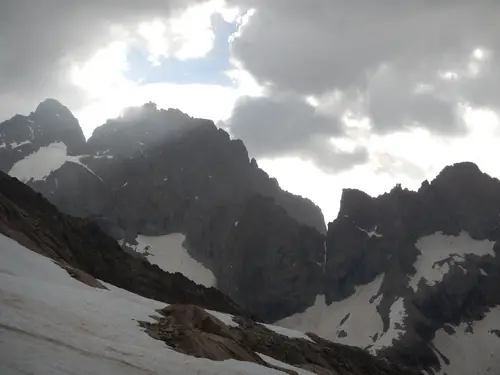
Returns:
point(51, 324)
point(168, 253)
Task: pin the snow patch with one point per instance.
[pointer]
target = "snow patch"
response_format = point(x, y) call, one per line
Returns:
point(227, 319)
point(53, 324)
point(103, 155)
point(169, 254)
point(15, 145)
point(397, 314)
point(439, 252)
point(40, 164)
point(471, 351)
point(371, 233)
point(353, 321)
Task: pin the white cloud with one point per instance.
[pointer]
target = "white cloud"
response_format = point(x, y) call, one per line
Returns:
point(188, 35)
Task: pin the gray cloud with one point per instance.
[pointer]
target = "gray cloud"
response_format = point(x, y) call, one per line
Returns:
point(395, 100)
point(39, 39)
point(312, 48)
point(286, 125)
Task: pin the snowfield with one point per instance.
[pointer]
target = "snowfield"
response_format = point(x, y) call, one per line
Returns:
point(471, 351)
point(356, 317)
point(356, 321)
point(168, 253)
point(40, 164)
point(450, 249)
point(51, 324)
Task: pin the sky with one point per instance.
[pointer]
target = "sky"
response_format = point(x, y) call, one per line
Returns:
point(326, 94)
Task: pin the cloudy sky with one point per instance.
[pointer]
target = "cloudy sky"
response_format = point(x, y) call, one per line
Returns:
point(326, 94)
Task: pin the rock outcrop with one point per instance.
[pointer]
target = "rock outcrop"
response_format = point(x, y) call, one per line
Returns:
point(193, 331)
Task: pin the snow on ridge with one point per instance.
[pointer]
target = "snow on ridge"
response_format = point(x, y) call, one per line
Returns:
point(353, 321)
point(472, 349)
point(169, 254)
point(371, 233)
point(14, 145)
point(40, 164)
point(53, 324)
point(447, 250)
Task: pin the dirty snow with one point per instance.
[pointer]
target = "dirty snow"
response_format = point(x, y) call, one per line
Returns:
point(476, 352)
point(40, 164)
point(356, 315)
point(451, 249)
point(51, 324)
point(169, 254)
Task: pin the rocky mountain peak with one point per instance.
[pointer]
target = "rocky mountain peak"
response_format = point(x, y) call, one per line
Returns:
point(52, 106)
point(355, 205)
point(51, 124)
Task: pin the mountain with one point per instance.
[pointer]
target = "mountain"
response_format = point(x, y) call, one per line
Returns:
point(73, 301)
point(50, 123)
point(410, 276)
point(153, 173)
point(415, 276)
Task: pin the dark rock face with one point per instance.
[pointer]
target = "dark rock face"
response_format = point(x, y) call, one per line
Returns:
point(28, 218)
point(156, 172)
point(270, 262)
point(374, 236)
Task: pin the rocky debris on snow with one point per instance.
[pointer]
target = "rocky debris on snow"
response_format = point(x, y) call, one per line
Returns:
point(194, 331)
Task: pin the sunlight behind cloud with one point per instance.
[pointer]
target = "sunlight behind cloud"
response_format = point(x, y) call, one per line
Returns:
point(189, 35)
